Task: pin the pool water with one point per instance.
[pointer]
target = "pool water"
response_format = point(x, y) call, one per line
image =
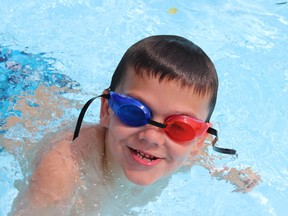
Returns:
point(62, 52)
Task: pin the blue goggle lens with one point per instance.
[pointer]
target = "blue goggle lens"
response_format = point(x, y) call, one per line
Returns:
point(131, 115)
point(129, 110)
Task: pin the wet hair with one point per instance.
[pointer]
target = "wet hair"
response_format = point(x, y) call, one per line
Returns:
point(171, 58)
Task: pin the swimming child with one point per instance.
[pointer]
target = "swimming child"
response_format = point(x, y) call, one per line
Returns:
point(154, 117)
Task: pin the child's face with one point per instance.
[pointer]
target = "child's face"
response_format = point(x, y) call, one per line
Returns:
point(122, 142)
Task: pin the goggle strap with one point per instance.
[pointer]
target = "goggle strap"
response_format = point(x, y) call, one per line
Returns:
point(214, 132)
point(157, 124)
point(224, 150)
point(82, 114)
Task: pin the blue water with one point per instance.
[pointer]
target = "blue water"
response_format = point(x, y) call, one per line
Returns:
point(76, 45)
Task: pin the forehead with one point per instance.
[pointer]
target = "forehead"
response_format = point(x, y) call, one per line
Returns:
point(165, 96)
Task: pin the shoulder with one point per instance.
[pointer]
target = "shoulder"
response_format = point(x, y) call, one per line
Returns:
point(55, 174)
point(90, 142)
point(57, 169)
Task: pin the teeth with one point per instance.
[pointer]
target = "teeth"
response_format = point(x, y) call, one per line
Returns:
point(142, 155)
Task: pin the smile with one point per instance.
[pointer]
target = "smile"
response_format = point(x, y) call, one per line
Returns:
point(144, 158)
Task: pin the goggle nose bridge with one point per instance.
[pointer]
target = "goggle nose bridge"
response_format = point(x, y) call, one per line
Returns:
point(156, 124)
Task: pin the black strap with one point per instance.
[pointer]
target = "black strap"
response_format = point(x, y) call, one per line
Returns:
point(82, 113)
point(219, 149)
point(224, 150)
point(214, 133)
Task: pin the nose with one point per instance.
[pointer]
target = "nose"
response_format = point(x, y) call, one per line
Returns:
point(152, 136)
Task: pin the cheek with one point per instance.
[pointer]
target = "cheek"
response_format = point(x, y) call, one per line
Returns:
point(178, 158)
point(187, 150)
point(114, 131)
point(197, 146)
point(181, 152)
point(117, 130)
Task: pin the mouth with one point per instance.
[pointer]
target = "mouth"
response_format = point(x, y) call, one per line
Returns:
point(144, 158)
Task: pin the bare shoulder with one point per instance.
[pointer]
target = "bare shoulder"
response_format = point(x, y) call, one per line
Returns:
point(90, 143)
point(57, 169)
point(55, 174)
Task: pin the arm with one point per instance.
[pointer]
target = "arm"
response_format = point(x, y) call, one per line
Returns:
point(54, 177)
point(244, 179)
point(52, 182)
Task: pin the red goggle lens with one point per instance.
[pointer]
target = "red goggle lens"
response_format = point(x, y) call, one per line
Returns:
point(184, 128)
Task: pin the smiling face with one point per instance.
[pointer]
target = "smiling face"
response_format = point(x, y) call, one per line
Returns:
point(145, 154)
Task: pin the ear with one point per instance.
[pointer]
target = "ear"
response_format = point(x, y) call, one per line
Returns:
point(198, 145)
point(104, 111)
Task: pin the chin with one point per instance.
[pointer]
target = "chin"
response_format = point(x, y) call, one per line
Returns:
point(143, 183)
point(137, 180)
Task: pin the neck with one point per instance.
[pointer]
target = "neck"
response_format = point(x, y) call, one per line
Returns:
point(118, 187)
point(122, 195)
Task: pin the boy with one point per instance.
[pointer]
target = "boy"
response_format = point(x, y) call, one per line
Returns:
point(154, 117)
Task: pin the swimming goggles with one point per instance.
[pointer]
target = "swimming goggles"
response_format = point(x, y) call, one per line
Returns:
point(134, 113)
